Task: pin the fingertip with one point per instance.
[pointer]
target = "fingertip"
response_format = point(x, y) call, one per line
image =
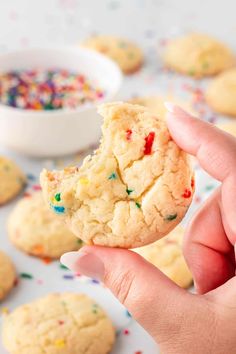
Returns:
point(70, 260)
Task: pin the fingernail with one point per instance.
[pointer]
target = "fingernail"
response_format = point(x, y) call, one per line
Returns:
point(173, 108)
point(170, 107)
point(84, 263)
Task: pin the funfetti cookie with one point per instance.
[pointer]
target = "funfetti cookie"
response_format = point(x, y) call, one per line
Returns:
point(221, 93)
point(136, 187)
point(7, 275)
point(12, 179)
point(166, 254)
point(197, 55)
point(36, 230)
point(126, 54)
point(58, 324)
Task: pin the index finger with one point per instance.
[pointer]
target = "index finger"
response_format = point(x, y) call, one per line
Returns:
point(215, 149)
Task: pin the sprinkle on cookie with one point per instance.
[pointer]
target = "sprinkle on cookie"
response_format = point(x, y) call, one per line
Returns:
point(148, 143)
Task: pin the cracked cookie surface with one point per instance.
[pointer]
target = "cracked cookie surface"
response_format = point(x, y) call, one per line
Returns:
point(7, 275)
point(12, 180)
point(58, 324)
point(136, 187)
point(198, 55)
point(36, 230)
point(166, 254)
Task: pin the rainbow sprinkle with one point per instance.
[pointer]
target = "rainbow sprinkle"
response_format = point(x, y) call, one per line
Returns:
point(113, 176)
point(57, 197)
point(148, 143)
point(50, 89)
point(58, 209)
point(171, 217)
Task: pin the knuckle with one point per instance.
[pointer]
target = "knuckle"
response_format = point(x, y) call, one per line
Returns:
point(122, 285)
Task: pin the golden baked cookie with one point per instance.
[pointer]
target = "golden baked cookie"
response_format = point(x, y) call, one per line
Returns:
point(221, 93)
point(166, 254)
point(58, 324)
point(126, 54)
point(197, 55)
point(134, 190)
point(36, 230)
point(7, 275)
point(12, 179)
point(156, 104)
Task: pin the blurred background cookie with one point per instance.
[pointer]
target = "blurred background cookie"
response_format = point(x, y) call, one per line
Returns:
point(59, 324)
point(7, 275)
point(228, 127)
point(156, 104)
point(221, 93)
point(166, 254)
point(36, 230)
point(197, 55)
point(126, 54)
point(12, 179)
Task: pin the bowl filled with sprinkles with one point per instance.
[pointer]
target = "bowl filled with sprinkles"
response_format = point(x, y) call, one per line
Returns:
point(48, 99)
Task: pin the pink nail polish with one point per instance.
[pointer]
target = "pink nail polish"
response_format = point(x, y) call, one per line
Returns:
point(84, 263)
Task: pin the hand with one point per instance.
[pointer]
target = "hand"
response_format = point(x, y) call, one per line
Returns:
point(180, 322)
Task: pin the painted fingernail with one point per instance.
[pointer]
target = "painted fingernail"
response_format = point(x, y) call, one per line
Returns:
point(173, 108)
point(170, 106)
point(84, 263)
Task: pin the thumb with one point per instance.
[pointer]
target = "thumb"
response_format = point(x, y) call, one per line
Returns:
point(158, 304)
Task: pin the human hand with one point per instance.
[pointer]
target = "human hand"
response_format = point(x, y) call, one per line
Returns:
point(181, 322)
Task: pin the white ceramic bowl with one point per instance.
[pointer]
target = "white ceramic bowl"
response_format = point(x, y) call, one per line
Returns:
point(55, 133)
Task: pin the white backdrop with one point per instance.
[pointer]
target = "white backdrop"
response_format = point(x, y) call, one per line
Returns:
point(41, 22)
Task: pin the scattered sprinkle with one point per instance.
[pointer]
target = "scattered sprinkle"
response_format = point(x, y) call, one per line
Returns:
point(187, 193)
point(192, 183)
point(128, 134)
point(84, 181)
point(27, 195)
point(5, 310)
point(59, 343)
point(80, 242)
point(95, 308)
point(127, 313)
point(126, 332)
point(138, 205)
point(209, 187)
point(62, 266)
point(171, 217)
point(129, 191)
point(37, 249)
point(95, 281)
point(31, 177)
point(46, 260)
point(57, 197)
point(36, 187)
point(58, 209)
point(68, 276)
point(148, 143)
point(113, 176)
point(26, 275)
